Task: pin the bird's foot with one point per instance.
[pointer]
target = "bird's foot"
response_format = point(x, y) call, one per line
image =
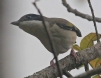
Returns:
point(74, 55)
point(52, 63)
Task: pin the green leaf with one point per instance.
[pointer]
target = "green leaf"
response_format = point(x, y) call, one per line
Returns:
point(76, 47)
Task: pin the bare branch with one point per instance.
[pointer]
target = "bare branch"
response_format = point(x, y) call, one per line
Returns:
point(94, 21)
point(50, 39)
point(89, 73)
point(77, 13)
point(68, 63)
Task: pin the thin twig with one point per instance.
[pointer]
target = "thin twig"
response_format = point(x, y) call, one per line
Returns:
point(87, 68)
point(50, 39)
point(89, 73)
point(94, 21)
point(66, 73)
point(77, 13)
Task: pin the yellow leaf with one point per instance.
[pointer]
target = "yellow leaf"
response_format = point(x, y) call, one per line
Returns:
point(88, 40)
point(76, 47)
point(96, 76)
point(94, 63)
point(98, 62)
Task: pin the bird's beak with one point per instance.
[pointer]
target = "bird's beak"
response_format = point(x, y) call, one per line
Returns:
point(15, 23)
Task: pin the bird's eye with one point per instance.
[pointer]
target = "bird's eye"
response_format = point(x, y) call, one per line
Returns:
point(29, 17)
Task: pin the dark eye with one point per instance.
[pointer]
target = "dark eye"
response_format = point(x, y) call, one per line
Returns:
point(29, 17)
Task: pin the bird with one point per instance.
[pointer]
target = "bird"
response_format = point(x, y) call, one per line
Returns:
point(63, 32)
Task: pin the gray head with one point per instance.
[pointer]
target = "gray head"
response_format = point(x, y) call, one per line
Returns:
point(30, 23)
point(27, 17)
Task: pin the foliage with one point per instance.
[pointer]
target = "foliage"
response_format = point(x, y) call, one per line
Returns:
point(87, 42)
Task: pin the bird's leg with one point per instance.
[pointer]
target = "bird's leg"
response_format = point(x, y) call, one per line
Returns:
point(74, 54)
point(52, 63)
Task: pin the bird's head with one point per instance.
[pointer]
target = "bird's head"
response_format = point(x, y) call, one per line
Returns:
point(27, 19)
point(29, 22)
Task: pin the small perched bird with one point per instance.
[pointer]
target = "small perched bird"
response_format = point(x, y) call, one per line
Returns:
point(63, 32)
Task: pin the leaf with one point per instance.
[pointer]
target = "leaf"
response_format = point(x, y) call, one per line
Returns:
point(76, 47)
point(96, 76)
point(95, 63)
point(98, 63)
point(88, 40)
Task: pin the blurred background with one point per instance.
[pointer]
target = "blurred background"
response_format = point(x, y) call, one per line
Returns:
point(21, 54)
point(0, 39)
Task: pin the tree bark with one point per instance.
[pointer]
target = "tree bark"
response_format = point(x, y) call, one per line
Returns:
point(69, 62)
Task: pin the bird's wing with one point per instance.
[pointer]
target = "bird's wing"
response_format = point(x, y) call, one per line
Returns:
point(69, 26)
point(64, 24)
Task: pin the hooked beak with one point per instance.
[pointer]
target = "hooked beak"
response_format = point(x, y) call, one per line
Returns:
point(15, 23)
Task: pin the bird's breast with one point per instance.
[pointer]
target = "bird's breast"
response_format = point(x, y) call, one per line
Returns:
point(62, 39)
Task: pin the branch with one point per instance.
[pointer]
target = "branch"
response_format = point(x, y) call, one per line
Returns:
point(94, 21)
point(68, 63)
point(66, 73)
point(86, 66)
point(77, 13)
point(89, 73)
point(50, 39)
